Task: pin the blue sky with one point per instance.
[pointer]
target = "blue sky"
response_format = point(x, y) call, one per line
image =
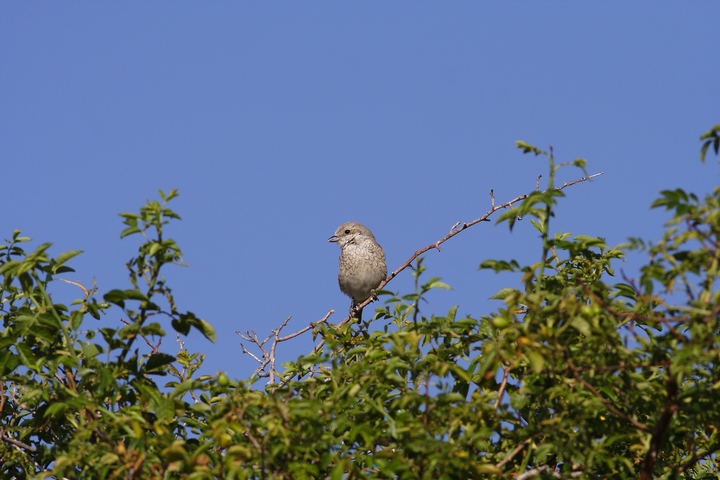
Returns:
point(279, 121)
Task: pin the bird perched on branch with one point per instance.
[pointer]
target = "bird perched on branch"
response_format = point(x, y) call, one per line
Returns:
point(362, 263)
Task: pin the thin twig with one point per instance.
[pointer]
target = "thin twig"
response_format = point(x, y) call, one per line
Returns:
point(248, 352)
point(309, 327)
point(77, 284)
point(276, 334)
point(268, 357)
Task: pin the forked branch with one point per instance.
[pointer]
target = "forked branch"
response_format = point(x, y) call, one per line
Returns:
point(267, 357)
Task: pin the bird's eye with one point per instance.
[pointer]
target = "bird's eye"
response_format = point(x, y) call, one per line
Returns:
point(347, 231)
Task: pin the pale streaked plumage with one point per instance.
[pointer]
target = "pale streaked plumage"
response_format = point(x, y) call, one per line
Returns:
point(362, 262)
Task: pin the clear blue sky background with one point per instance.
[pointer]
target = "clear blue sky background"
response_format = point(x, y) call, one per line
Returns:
point(279, 121)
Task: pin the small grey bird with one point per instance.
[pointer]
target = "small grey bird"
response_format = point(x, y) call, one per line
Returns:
point(362, 263)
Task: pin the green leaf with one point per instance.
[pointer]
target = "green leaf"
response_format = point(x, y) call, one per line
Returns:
point(158, 360)
point(93, 308)
point(8, 362)
point(713, 138)
point(62, 269)
point(703, 150)
point(116, 297)
point(452, 313)
point(500, 265)
point(527, 148)
point(26, 355)
point(129, 331)
point(588, 241)
point(625, 290)
point(26, 282)
point(504, 293)
point(581, 325)
point(65, 256)
point(187, 320)
point(509, 214)
point(152, 329)
point(489, 469)
point(438, 284)
point(183, 388)
point(154, 248)
point(132, 294)
point(10, 266)
point(537, 362)
point(129, 231)
point(174, 453)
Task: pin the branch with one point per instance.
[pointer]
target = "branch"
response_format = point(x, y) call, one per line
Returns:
point(16, 443)
point(86, 292)
point(268, 357)
point(503, 384)
point(696, 458)
point(658, 433)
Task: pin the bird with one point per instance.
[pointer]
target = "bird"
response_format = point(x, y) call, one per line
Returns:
point(362, 264)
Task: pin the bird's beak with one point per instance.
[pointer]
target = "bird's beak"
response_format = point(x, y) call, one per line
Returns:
point(333, 239)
